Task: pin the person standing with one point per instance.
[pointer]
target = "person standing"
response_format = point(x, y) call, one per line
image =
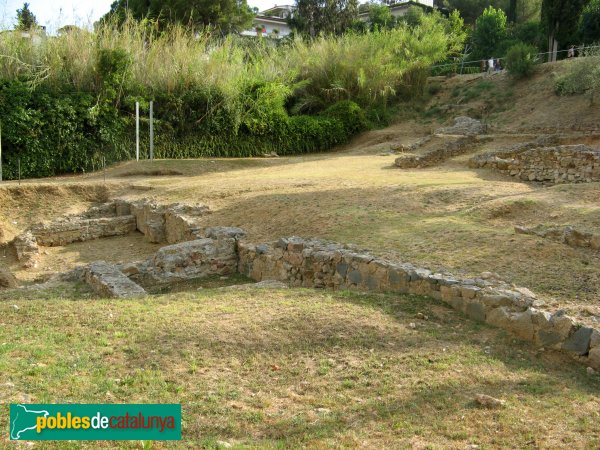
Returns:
point(490, 66)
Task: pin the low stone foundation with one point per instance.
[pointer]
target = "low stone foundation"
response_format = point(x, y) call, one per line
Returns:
point(215, 254)
point(317, 264)
point(76, 229)
point(441, 152)
point(567, 235)
point(108, 281)
point(560, 164)
point(159, 224)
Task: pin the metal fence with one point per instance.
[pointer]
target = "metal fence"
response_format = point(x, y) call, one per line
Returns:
point(475, 66)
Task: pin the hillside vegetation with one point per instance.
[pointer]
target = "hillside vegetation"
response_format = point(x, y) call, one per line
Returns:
point(69, 102)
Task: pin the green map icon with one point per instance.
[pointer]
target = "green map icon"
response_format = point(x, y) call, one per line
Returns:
point(24, 421)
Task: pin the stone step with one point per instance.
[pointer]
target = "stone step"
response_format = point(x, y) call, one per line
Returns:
point(108, 281)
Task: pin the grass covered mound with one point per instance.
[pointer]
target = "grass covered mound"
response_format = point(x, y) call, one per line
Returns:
point(273, 369)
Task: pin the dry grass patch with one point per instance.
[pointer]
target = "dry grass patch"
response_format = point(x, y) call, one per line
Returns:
point(278, 369)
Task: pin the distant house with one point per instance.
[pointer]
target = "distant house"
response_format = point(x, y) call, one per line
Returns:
point(37, 35)
point(273, 23)
point(398, 8)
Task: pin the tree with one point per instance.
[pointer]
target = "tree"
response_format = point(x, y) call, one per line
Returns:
point(25, 18)
point(512, 11)
point(225, 15)
point(314, 17)
point(589, 24)
point(470, 10)
point(490, 31)
point(380, 17)
point(560, 18)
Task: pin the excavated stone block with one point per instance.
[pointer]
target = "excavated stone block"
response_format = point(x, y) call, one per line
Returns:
point(194, 259)
point(67, 231)
point(26, 247)
point(108, 281)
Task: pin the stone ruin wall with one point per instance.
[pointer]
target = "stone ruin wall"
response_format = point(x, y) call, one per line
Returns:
point(315, 264)
point(159, 224)
point(310, 264)
point(559, 164)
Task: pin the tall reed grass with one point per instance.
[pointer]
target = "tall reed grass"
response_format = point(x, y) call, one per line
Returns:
point(362, 67)
point(228, 96)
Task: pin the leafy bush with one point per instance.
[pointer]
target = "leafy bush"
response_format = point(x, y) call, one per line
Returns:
point(69, 101)
point(490, 31)
point(589, 22)
point(582, 76)
point(350, 115)
point(520, 60)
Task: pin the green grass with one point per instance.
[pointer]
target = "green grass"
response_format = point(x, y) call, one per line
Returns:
point(298, 368)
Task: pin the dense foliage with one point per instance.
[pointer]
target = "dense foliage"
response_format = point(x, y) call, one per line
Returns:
point(589, 25)
point(490, 31)
point(26, 20)
point(69, 101)
point(561, 17)
point(225, 15)
point(314, 17)
point(520, 60)
point(582, 76)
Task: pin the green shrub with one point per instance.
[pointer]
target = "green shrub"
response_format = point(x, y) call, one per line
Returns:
point(520, 60)
point(351, 116)
point(582, 76)
point(69, 102)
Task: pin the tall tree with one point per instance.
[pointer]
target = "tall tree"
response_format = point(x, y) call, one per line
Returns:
point(314, 17)
point(512, 11)
point(490, 31)
point(589, 25)
point(226, 15)
point(25, 18)
point(560, 18)
point(470, 10)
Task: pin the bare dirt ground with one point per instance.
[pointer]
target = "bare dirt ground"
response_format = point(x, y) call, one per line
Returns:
point(447, 216)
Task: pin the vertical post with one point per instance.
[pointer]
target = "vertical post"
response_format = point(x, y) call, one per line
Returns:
point(104, 167)
point(151, 131)
point(19, 169)
point(0, 152)
point(137, 131)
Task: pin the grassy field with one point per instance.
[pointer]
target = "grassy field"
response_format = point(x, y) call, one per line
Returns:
point(448, 216)
point(289, 369)
point(292, 369)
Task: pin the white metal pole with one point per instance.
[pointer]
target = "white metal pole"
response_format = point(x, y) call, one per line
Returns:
point(137, 131)
point(151, 131)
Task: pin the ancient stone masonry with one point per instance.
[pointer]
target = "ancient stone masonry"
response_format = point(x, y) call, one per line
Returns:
point(159, 223)
point(559, 164)
point(440, 152)
point(108, 281)
point(28, 252)
point(168, 223)
point(215, 254)
point(317, 264)
point(567, 235)
point(76, 229)
point(463, 126)
point(414, 146)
